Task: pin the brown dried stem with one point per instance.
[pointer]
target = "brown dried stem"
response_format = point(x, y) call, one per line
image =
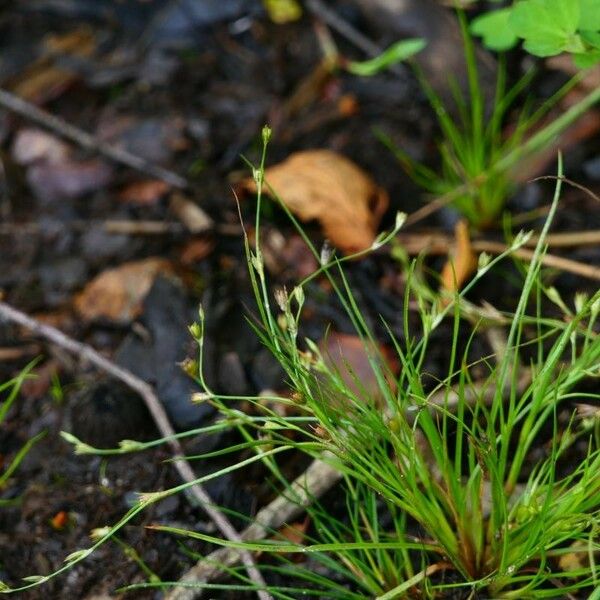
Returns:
point(85, 140)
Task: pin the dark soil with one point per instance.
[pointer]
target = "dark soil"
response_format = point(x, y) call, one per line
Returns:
point(187, 85)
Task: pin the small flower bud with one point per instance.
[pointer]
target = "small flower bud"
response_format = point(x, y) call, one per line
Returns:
point(266, 134)
point(281, 297)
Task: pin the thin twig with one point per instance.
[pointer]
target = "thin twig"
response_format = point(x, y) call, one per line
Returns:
point(86, 352)
point(85, 140)
point(432, 207)
point(439, 243)
point(318, 478)
point(112, 226)
point(435, 242)
point(18, 352)
point(132, 227)
point(572, 183)
point(549, 260)
point(568, 239)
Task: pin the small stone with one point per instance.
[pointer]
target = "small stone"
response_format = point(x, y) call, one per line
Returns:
point(231, 375)
point(106, 412)
point(591, 168)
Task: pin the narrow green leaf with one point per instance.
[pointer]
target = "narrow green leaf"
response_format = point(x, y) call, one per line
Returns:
point(20, 455)
point(394, 54)
point(587, 60)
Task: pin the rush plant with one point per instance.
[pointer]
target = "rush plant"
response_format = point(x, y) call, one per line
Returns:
point(481, 142)
point(446, 488)
point(473, 487)
point(479, 148)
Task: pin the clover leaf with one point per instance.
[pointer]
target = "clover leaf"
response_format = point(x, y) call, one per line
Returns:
point(495, 29)
point(547, 28)
point(589, 17)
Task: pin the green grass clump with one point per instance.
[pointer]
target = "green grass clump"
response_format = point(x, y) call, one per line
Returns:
point(482, 142)
point(462, 487)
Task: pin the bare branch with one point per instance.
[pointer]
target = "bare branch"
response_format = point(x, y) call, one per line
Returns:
point(85, 140)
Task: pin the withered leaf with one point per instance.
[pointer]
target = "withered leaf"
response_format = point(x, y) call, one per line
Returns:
point(323, 185)
point(116, 295)
point(462, 262)
point(32, 145)
point(349, 356)
point(47, 78)
point(190, 214)
point(144, 193)
point(52, 182)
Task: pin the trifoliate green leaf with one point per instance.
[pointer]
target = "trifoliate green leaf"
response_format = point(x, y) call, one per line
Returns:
point(544, 47)
point(547, 28)
point(495, 30)
point(589, 17)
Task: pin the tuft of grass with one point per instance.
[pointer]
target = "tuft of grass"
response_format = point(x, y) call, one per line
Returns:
point(465, 486)
point(477, 150)
point(470, 487)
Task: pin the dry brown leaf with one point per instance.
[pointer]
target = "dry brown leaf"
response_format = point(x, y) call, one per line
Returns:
point(323, 185)
point(293, 533)
point(348, 355)
point(116, 295)
point(51, 182)
point(52, 172)
point(32, 145)
point(43, 80)
point(462, 262)
point(576, 560)
point(196, 250)
point(10, 353)
point(144, 193)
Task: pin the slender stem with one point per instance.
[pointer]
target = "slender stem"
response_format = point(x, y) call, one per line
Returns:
point(542, 138)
